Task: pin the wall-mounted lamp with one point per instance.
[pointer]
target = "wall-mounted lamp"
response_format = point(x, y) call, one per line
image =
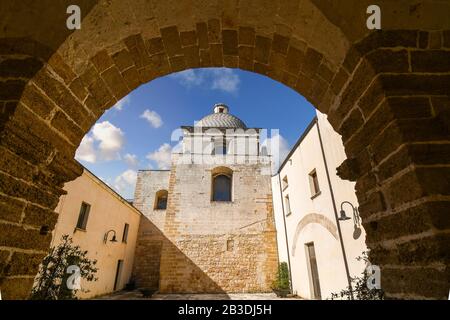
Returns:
point(356, 218)
point(344, 217)
point(113, 239)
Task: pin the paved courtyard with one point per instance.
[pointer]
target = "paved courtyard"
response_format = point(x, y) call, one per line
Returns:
point(136, 295)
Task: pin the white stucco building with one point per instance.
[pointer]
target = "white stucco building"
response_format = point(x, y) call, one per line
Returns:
point(307, 197)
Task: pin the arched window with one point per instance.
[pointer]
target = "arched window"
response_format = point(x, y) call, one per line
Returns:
point(221, 188)
point(222, 181)
point(161, 200)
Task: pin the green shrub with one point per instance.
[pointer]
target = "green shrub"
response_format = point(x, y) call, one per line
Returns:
point(282, 281)
point(51, 281)
point(360, 290)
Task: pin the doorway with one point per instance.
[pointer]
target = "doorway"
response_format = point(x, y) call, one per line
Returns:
point(118, 274)
point(313, 271)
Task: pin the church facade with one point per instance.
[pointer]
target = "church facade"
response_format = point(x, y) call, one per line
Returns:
point(209, 223)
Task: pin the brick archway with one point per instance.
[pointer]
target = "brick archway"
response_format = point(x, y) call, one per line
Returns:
point(386, 92)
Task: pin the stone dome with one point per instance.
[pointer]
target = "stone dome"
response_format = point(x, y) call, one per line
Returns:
point(221, 119)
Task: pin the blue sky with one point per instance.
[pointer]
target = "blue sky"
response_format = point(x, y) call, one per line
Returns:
point(136, 133)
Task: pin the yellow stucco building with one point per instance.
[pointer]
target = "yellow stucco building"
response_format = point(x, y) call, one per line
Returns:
point(93, 215)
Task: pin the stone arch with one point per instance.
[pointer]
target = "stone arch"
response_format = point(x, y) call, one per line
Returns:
point(386, 92)
point(313, 218)
point(222, 170)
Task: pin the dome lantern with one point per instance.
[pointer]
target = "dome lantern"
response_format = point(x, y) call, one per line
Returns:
point(220, 108)
point(221, 118)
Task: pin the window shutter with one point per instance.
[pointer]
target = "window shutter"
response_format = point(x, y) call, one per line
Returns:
point(80, 218)
point(125, 232)
point(86, 215)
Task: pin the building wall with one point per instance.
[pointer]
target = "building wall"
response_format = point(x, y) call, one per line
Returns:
point(150, 241)
point(212, 246)
point(312, 219)
point(108, 211)
point(148, 183)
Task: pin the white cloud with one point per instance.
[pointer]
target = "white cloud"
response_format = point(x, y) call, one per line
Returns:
point(128, 176)
point(162, 156)
point(225, 79)
point(152, 117)
point(222, 79)
point(125, 101)
point(86, 150)
point(131, 160)
point(103, 142)
point(278, 148)
point(188, 78)
point(125, 182)
point(111, 140)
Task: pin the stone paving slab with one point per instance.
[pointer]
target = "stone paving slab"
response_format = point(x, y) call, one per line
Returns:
point(136, 295)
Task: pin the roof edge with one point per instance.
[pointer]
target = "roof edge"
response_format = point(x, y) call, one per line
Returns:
point(109, 189)
point(300, 139)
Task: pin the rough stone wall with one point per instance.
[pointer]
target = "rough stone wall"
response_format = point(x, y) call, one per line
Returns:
point(394, 118)
point(150, 237)
point(147, 184)
point(148, 255)
point(236, 262)
point(214, 246)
